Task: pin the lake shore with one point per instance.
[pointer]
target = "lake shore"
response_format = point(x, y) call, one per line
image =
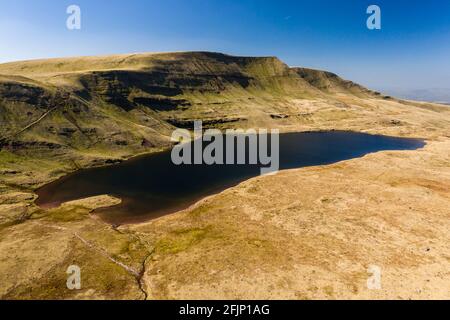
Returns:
point(298, 235)
point(153, 186)
point(319, 235)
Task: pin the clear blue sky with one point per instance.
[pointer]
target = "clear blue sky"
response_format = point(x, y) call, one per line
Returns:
point(411, 51)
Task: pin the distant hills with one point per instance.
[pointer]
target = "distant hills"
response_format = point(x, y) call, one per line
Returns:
point(438, 95)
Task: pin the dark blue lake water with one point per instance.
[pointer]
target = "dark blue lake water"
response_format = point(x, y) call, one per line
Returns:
point(152, 186)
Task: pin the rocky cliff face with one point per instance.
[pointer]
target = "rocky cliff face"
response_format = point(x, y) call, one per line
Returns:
point(94, 109)
point(153, 92)
point(332, 83)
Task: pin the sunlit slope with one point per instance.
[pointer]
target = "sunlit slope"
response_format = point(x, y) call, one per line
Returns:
point(88, 110)
point(154, 87)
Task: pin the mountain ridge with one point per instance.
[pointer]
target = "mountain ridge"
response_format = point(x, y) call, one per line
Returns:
point(86, 111)
point(45, 69)
point(161, 82)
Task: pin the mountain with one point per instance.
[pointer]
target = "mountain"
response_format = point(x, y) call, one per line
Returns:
point(92, 110)
point(69, 113)
point(309, 233)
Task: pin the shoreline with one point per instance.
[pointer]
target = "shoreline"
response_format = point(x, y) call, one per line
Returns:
point(188, 204)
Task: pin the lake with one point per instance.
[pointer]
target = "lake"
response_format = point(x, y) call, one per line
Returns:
point(151, 186)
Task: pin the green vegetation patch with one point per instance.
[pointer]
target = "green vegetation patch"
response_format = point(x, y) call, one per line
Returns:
point(183, 239)
point(71, 214)
point(9, 157)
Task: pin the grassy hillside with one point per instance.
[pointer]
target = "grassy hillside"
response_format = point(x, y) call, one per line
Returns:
point(91, 110)
point(302, 234)
point(63, 114)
